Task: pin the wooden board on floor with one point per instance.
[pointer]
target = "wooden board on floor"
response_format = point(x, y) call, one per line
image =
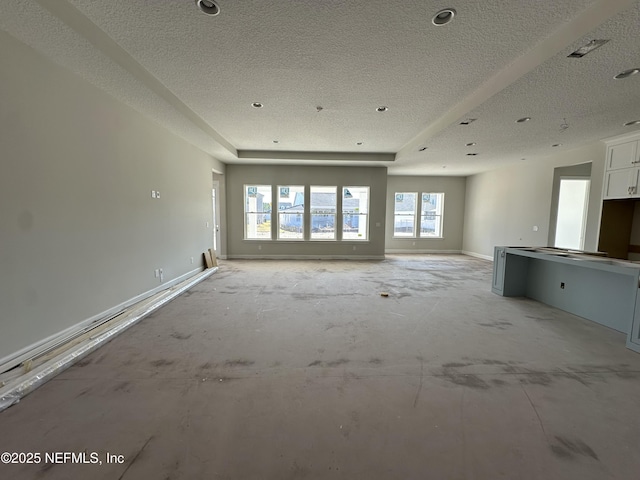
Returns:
point(207, 259)
point(214, 260)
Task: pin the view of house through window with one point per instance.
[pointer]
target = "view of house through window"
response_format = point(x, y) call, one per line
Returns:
point(431, 214)
point(404, 214)
point(290, 212)
point(288, 209)
point(323, 213)
point(257, 212)
point(355, 213)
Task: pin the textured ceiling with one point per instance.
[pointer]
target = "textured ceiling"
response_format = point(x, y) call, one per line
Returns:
point(498, 60)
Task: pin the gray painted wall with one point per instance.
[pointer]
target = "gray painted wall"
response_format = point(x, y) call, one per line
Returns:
point(454, 194)
point(502, 206)
point(79, 231)
point(239, 175)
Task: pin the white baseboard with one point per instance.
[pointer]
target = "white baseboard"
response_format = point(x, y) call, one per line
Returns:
point(414, 250)
point(305, 257)
point(35, 349)
point(18, 387)
point(478, 255)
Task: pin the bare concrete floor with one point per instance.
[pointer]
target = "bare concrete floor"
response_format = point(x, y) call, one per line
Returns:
point(301, 370)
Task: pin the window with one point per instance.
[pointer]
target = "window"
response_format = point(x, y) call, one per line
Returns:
point(290, 212)
point(257, 212)
point(431, 215)
point(355, 213)
point(404, 214)
point(323, 213)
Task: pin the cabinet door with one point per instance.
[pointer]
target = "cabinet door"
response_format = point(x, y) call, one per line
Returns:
point(618, 183)
point(624, 155)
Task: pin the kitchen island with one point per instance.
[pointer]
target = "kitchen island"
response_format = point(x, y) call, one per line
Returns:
point(591, 286)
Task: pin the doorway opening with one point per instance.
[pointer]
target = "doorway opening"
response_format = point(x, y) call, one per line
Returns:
point(571, 221)
point(216, 216)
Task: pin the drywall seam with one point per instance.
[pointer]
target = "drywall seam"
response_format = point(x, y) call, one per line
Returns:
point(21, 386)
point(36, 349)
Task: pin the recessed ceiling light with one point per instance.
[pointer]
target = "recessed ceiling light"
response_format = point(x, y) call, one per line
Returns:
point(443, 17)
point(257, 105)
point(589, 47)
point(209, 7)
point(422, 149)
point(382, 108)
point(635, 122)
point(523, 119)
point(556, 144)
point(627, 73)
point(471, 144)
point(276, 141)
point(472, 154)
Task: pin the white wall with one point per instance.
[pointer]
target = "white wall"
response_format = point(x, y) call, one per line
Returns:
point(79, 231)
point(503, 206)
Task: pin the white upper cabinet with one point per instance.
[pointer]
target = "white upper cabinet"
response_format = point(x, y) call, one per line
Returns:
point(623, 155)
point(622, 169)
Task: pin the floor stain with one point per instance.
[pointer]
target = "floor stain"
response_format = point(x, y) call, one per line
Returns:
point(240, 362)
point(162, 362)
point(180, 336)
point(122, 387)
point(84, 362)
point(498, 325)
point(536, 378)
point(567, 448)
point(83, 392)
point(455, 365)
point(375, 361)
point(315, 363)
point(336, 363)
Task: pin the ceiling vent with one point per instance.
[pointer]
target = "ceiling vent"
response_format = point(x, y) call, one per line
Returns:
point(588, 48)
point(208, 7)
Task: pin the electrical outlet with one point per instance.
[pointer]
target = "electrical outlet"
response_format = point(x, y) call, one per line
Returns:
point(156, 273)
point(191, 259)
point(153, 194)
point(158, 194)
point(535, 228)
point(161, 276)
point(562, 285)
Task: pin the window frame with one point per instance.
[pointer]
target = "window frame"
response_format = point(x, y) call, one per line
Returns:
point(245, 194)
point(279, 213)
point(440, 215)
point(414, 214)
point(366, 215)
point(335, 214)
